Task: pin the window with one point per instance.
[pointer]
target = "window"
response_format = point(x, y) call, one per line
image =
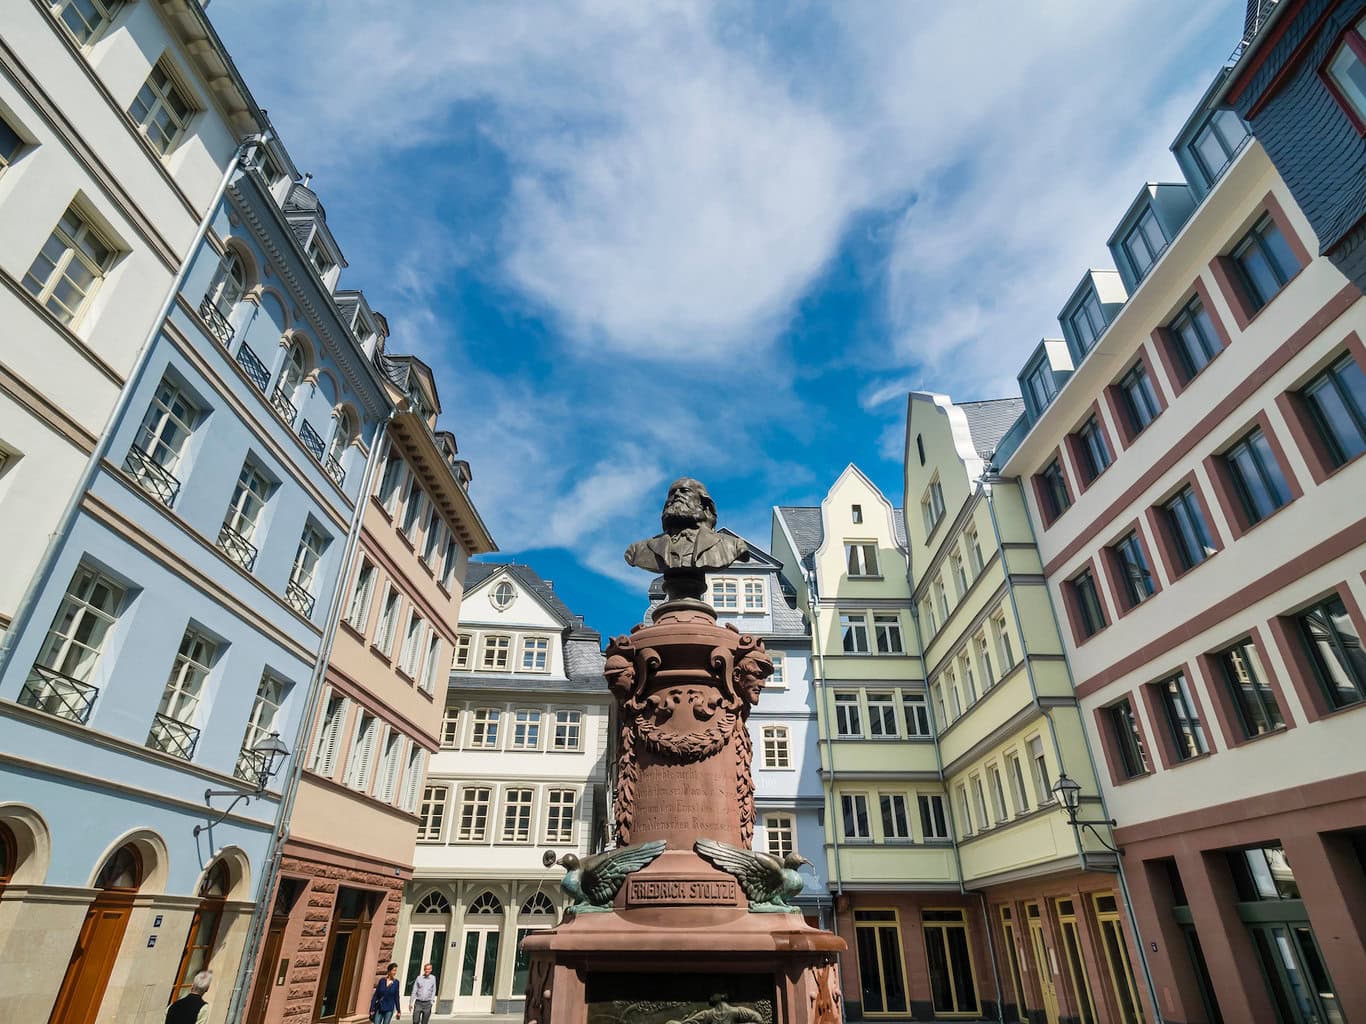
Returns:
point(503, 596)
point(882, 714)
point(932, 505)
point(1264, 262)
point(568, 730)
point(969, 677)
point(854, 808)
point(1088, 321)
point(1017, 783)
point(1195, 338)
point(1140, 400)
point(76, 637)
point(933, 823)
point(1053, 490)
point(450, 729)
point(160, 442)
point(1076, 963)
point(1253, 698)
point(856, 514)
point(535, 654)
point(484, 733)
point(342, 433)
point(10, 144)
point(450, 561)
point(244, 515)
point(304, 573)
point(390, 481)
point(412, 510)
point(1336, 400)
point(85, 19)
point(779, 835)
point(265, 712)
point(984, 661)
point(432, 537)
point(776, 750)
point(1043, 787)
point(173, 728)
point(517, 815)
point(940, 710)
point(888, 629)
point(412, 645)
point(881, 966)
point(324, 761)
point(161, 109)
point(896, 824)
point(1262, 874)
point(526, 729)
point(474, 814)
point(1136, 579)
point(1217, 141)
point(974, 549)
point(358, 612)
point(960, 576)
point(979, 798)
point(388, 767)
point(69, 267)
point(917, 714)
point(1334, 647)
point(1039, 386)
point(854, 630)
point(1095, 453)
point(433, 814)
point(1144, 243)
point(432, 664)
point(360, 761)
point(1183, 723)
point(1001, 633)
point(964, 810)
point(847, 715)
point(496, 652)
point(725, 594)
point(1090, 614)
point(559, 816)
point(317, 255)
point(861, 558)
point(464, 649)
point(941, 598)
point(1256, 477)
point(755, 590)
point(1189, 531)
point(778, 680)
point(1133, 759)
point(952, 986)
point(927, 616)
point(998, 793)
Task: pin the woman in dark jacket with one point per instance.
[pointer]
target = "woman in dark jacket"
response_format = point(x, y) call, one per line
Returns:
point(384, 1003)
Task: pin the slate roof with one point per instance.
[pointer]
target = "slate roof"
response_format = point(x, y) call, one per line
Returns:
point(530, 579)
point(989, 421)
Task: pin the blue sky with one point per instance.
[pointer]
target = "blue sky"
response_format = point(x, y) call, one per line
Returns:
point(638, 240)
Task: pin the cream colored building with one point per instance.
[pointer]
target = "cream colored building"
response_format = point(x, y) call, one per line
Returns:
point(522, 769)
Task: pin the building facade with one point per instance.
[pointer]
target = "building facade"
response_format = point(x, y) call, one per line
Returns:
point(1007, 724)
point(522, 768)
point(353, 823)
point(1195, 482)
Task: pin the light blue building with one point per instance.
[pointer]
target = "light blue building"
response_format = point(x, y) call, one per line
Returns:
point(183, 613)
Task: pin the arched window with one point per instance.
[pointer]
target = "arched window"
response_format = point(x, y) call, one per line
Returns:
point(229, 283)
point(486, 903)
point(538, 904)
point(203, 934)
point(433, 903)
point(293, 370)
point(123, 870)
point(341, 436)
point(9, 854)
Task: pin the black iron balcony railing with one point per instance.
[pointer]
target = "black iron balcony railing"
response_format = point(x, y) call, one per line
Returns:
point(299, 598)
point(334, 470)
point(172, 737)
point(152, 477)
point(48, 690)
point(218, 323)
point(283, 405)
point(236, 547)
point(311, 440)
point(251, 362)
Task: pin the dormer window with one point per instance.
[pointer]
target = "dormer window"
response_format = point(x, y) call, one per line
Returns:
point(1217, 142)
point(1039, 386)
point(317, 255)
point(1087, 321)
point(1144, 244)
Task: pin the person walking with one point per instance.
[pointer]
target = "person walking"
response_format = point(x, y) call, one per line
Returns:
point(384, 1003)
point(193, 1008)
point(423, 996)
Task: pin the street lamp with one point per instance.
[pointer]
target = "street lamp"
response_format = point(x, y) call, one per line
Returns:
point(264, 761)
point(1068, 792)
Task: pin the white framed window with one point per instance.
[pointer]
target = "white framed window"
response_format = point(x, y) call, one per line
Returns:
point(778, 681)
point(559, 816)
point(535, 654)
point(860, 559)
point(303, 575)
point(464, 650)
point(854, 811)
point(927, 616)
point(1043, 788)
point(433, 813)
point(69, 267)
point(979, 798)
point(856, 514)
point(497, 651)
point(1004, 649)
point(88, 611)
point(450, 561)
point(324, 760)
point(777, 751)
point(847, 723)
point(896, 823)
point(249, 499)
point(934, 822)
point(725, 594)
point(412, 509)
point(85, 19)
point(517, 806)
point(229, 284)
point(387, 781)
point(342, 432)
point(887, 628)
point(318, 256)
point(433, 663)
point(388, 621)
point(973, 545)
point(1017, 782)
point(915, 710)
point(998, 793)
point(503, 596)
point(964, 810)
point(412, 645)
point(941, 597)
point(940, 708)
point(932, 505)
point(431, 540)
point(854, 632)
point(391, 482)
point(450, 728)
point(161, 108)
point(484, 730)
point(955, 699)
point(526, 729)
point(984, 661)
point(756, 593)
point(360, 759)
point(474, 814)
point(293, 370)
point(969, 677)
point(780, 835)
point(959, 574)
point(174, 729)
point(358, 611)
point(568, 730)
point(265, 713)
point(882, 714)
point(159, 444)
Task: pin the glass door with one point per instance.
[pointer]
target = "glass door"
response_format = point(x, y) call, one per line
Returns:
point(425, 946)
point(478, 970)
point(1295, 972)
point(1047, 990)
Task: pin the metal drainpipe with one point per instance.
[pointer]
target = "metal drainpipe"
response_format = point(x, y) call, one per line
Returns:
point(24, 612)
point(1104, 809)
point(948, 800)
point(307, 721)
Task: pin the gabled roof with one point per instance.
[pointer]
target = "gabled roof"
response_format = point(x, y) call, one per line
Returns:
point(989, 421)
point(804, 525)
point(480, 573)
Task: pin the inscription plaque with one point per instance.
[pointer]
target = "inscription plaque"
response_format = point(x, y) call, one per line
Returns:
point(679, 999)
point(659, 892)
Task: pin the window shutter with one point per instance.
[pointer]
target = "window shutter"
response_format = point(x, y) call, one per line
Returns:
point(365, 770)
point(417, 774)
point(383, 626)
point(320, 743)
point(391, 762)
point(328, 767)
point(354, 757)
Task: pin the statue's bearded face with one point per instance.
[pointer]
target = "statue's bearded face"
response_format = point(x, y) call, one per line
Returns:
point(686, 504)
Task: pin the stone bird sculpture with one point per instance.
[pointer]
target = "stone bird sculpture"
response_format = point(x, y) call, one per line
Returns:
point(592, 883)
point(768, 882)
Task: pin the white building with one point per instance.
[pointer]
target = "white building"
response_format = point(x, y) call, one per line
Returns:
point(522, 769)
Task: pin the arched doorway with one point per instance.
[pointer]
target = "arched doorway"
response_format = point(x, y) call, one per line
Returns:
point(97, 946)
point(9, 855)
point(199, 942)
point(427, 938)
point(479, 954)
point(537, 914)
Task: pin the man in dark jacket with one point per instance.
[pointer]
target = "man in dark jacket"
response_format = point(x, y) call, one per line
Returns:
point(193, 1008)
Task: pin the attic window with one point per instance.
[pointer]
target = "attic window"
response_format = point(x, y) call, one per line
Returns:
point(503, 595)
point(920, 448)
point(363, 331)
point(857, 512)
point(318, 255)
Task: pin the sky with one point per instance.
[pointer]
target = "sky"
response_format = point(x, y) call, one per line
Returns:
point(638, 239)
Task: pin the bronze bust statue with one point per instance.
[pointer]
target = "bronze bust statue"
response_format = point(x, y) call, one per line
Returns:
point(689, 540)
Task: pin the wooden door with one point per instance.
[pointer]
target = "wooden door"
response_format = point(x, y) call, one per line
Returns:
point(92, 961)
point(269, 973)
point(1047, 989)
